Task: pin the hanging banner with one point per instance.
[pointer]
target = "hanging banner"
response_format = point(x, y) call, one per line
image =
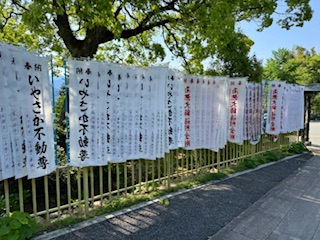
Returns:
point(153, 89)
point(219, 113)
point(7, 112)
point(144, 112)
point(256, 116)
point(263, 118)
point(285, 108)
point(198, 111)
point(102, 119)
point(173, 110)
point(274, 107)
point(32, 74)
point(82, 93)
point(236, 104)
point(123, 114)
point(162, 74)
point(12, 93)
point(300, 124)
point(190, 91)
point(215, 114)
point(180, 104)
point(94, 77)
point(208, 111)
point(248, 113)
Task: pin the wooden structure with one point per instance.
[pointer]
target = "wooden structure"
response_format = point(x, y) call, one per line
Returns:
point(309, 91)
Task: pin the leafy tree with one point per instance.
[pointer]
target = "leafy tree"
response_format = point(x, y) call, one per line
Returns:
point(277, 67)
point(299, 65)
point(233, 60)
point(124, 31)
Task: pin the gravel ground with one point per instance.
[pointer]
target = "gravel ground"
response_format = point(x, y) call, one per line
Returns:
point(194, 215)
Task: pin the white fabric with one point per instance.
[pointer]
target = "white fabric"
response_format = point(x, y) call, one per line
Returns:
point(7, 158)
point(174, 106)
point(190, 91)
point(32, 74)
point(82, 90)
point(256, 114)
point(236, 104)
point(263, 129)
point(276, 90)
point(219, 112)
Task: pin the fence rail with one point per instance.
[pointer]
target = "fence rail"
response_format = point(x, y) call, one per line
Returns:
point(71, 189)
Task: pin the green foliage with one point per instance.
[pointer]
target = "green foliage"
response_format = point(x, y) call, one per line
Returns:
point(165, 202)
point(299, 65)
point(129, 31)
point(277, 67)
point(270, 156)
point(17, 226)
point(66, 222)
point(297, 148)
point(233, 60)
point(14, 201)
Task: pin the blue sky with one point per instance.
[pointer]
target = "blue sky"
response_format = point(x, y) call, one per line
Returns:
point(275, 37)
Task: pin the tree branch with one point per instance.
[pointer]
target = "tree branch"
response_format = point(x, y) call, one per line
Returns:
point(140, 29)
point(15, 2)
point(182, 55)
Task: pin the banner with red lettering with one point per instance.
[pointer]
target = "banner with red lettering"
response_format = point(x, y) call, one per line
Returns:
point(275, 94)
point(190, 91)
point(236, 105)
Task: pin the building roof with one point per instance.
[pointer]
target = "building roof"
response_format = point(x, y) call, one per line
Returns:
point(313, 87)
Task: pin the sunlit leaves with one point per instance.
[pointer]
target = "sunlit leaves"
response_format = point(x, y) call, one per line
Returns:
point(125, 31)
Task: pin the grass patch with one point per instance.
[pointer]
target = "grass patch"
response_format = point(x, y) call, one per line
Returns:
point(63, 223)
point(297, 148)
point(132, 199)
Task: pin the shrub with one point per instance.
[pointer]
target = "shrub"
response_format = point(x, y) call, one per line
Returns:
point(296, 148)
point(17, 226)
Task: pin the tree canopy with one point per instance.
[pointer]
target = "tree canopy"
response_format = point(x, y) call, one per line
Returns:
point(127, 31)
point(234, 60)
point(299, 65)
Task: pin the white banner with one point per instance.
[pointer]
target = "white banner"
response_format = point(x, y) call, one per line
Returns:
point(32, 74)
point(256, 116)
point(219, 113)
point(82, 93)
point(276, 90)
point(190, 91)
point(198, 111)
point(236, 104)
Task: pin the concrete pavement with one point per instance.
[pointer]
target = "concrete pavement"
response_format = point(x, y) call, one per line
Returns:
point(291, 210)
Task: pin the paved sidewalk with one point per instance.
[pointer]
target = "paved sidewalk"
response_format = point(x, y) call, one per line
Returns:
point(291, 210)
point(200, 213)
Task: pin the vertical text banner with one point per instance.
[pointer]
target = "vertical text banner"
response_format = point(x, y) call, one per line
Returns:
point(276, 90)
point(81, 91)
point(236, 104)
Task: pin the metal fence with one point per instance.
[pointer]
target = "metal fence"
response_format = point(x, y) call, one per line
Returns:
point(71, 189)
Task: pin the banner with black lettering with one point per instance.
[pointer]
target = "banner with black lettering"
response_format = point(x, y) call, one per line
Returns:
point(36, 112)
point(82, 100)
